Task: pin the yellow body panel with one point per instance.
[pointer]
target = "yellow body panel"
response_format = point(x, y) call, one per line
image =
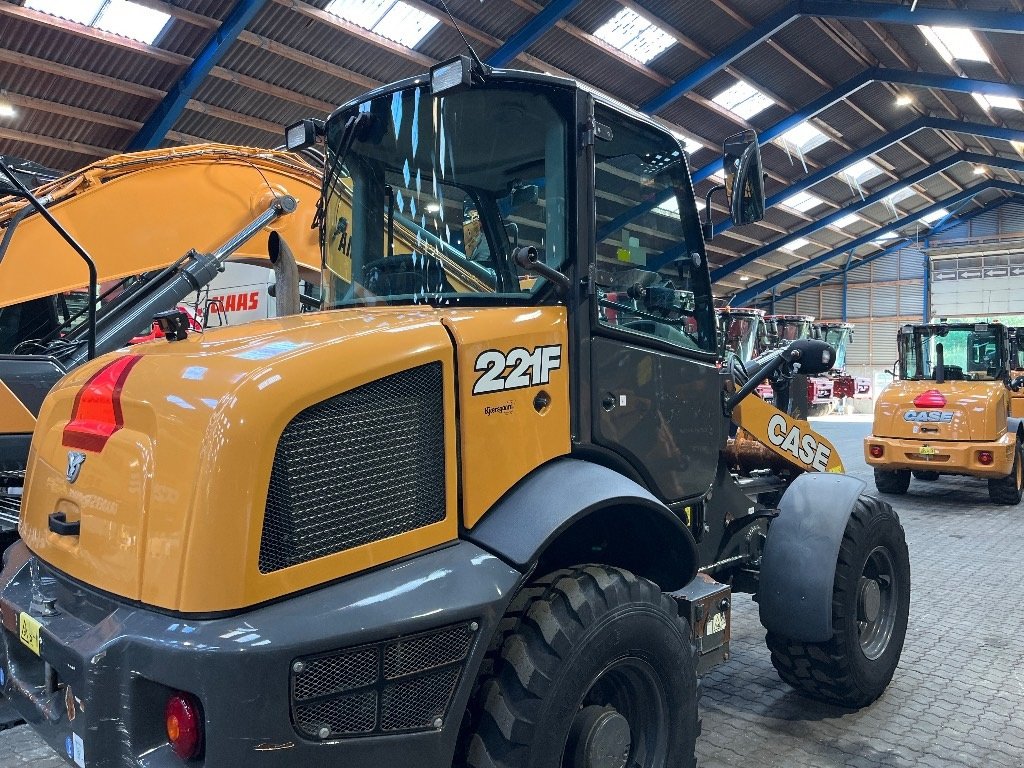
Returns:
point(503, 436)
point(789, 437)
point(15, 418)
point(172, 508)
point(973, 419)
point(138, 212)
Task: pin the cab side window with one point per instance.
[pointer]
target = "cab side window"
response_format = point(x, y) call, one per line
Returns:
point(650, 281)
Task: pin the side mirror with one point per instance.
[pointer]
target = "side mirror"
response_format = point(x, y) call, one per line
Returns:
point(744, 179)
point(525, 194)
point(1017, 383)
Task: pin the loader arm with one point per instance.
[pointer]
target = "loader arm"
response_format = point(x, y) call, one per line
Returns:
point(788, 438)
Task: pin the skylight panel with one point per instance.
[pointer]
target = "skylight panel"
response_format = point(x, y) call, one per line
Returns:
point(82, 11)
point(396, 21)
point(843, 223)
point(803, 137)
point(634, 35)
point(861, 171)
point(744, 100)
point(955, 43)
point(132, 20)
point(120, 17)
point(885, 237)
point(934, 216)
point(998, 102)
point(802, 202)
point(900, 194)
point(669, 208)
point(794, 245)
point(689, 145)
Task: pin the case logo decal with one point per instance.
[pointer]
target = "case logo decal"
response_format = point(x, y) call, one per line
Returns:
point(75, 461)
point(943, 417)
point(804, 448)
point(529, 369)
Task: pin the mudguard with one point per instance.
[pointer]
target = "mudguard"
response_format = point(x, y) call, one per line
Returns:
point(532, 515)
point(799, 564)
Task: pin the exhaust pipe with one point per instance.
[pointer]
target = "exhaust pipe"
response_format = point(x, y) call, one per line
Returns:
point(286, 275)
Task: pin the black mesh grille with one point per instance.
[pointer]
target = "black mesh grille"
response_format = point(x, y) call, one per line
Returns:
point(426, 652)
point(359, 467)
point(345, 715)
point(418, 702)
point(333, 674)
point(398, 685)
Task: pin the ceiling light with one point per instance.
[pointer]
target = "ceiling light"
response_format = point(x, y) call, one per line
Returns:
point(744, 278)
point(802, 202)
point(634, 35)
point(904, 100)
point(7, 110)
point(955, 43)
point(432, 207)
point(803, 137)
point(979, 170)
point(743, 100)
point(396, 21)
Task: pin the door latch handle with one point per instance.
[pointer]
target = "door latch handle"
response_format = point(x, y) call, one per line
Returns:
point(59, 524)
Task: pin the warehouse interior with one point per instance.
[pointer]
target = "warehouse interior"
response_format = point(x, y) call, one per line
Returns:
point(891, 142)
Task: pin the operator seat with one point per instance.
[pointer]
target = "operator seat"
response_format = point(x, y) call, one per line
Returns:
point(406, 273)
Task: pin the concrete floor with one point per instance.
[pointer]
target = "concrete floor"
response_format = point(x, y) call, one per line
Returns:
point(958, 695)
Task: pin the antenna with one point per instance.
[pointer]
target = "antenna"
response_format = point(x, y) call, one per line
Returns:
point(479, 62)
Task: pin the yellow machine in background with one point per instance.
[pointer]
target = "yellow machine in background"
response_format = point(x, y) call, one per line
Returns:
point(950, 411)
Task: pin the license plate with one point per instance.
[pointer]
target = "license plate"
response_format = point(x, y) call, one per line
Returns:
point(927, 450)
point(28, 632)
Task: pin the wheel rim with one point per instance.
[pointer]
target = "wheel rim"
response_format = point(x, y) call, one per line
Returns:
point(877, 602)
point(621, 721)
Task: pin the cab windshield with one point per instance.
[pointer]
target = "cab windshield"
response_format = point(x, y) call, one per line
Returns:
point(968, 352)
point(434, 194)
point(743, 334)
point(837, 337)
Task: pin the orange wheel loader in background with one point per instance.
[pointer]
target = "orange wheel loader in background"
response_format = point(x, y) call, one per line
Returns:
point(445, 522)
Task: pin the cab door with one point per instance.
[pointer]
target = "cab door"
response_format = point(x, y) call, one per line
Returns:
point(655, 386)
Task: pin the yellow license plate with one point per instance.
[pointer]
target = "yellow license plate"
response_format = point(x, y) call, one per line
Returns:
point(927, 450)
point(28, 632)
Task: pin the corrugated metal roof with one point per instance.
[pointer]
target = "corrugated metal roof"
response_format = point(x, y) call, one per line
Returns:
point(289, 64)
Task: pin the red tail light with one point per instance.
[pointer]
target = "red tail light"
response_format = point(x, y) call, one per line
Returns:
point(184, 725)
point(930, 399)
point(985, 457)
point(876, 451)
point(97, 412)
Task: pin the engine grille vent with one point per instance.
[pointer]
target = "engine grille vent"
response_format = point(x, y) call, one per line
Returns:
point(359, 467)
point(401, 685)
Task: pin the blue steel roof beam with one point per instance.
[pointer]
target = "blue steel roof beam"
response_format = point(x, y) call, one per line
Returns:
point(988, 21)
point(831, 275)
point(855, 83)
point(173, 104)
point(531, 31)
point(750, 293)
point(858, 205)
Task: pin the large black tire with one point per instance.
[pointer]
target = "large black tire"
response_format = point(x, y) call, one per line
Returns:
point(1007, 490)
point(582, 654)
point(894, 481)
point(926, 475)
point(870, 606)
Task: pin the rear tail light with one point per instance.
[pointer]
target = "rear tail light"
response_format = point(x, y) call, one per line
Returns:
point(930, 399)
point(184, 722)
point(985, 457)
point(876, 451)
point(97, 411)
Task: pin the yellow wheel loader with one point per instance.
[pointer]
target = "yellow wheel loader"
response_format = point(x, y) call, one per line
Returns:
point(950, 411)
point(444, 523)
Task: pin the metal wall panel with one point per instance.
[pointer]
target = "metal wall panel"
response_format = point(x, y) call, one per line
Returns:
point(884, 301)
point(1012, 218)
point(911, 300)
point(883, 343)
point(786, 306)
point(911, 263)
point(887, 268)
point(858, 299)
point(832, 301)
point(859, 350)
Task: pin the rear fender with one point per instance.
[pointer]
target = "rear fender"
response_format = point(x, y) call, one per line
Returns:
point(799, 564)
point(566, 511)
point(1015, 426)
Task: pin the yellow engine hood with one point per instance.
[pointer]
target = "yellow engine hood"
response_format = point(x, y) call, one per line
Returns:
point(974, 410)
point(171, 507)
